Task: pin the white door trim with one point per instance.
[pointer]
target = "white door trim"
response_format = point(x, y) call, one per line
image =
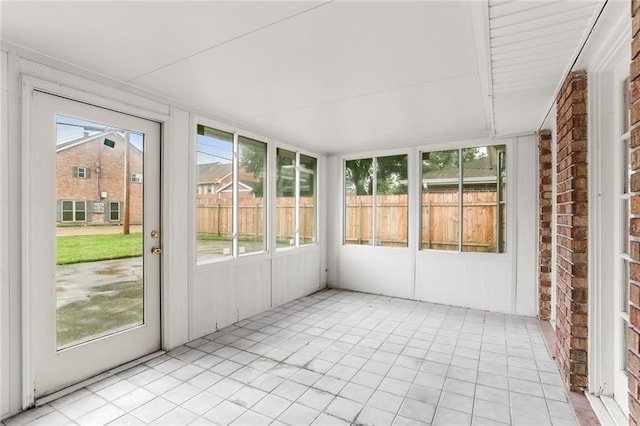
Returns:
point(139, 107)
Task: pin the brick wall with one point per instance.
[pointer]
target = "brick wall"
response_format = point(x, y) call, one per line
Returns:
point(633, 341)
point(545, 191)
point(572, 221)
point(91, 154)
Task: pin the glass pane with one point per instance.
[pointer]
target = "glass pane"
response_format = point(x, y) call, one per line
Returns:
point(99, 272)
point(251, 187)
point(214, 205)
point(359, 201)
point(391, 201)
point(285, 198)
point(483, 203)
point(308, 209)
point(440, 200)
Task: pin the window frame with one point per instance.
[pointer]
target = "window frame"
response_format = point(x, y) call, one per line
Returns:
point(74, 211)
point(460, 147)
point(297, 152)
point(235, 256)
point(374, 155)
point(119, 204)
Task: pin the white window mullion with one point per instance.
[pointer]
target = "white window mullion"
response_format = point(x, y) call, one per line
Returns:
point(374, 192)
point(234, 196)
point(460, 198)
point(297, 200)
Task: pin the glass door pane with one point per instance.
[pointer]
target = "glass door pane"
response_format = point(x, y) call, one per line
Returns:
point(99, 225)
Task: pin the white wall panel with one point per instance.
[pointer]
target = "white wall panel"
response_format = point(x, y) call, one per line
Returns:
point(226, 293)
point(295, 274)
point(474, 280)
point(377, 270)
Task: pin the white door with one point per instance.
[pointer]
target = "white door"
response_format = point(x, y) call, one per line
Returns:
point(92, 263)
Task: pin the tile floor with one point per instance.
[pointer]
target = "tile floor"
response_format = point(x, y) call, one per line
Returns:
point(337, 358)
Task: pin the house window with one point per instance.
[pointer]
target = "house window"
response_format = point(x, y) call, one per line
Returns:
point(376, 201)
point(74, 211)
point(81, 172)
point(296, 201)
point(114, 211)
point(233, 223)
point(136, 177)
point(463, 204)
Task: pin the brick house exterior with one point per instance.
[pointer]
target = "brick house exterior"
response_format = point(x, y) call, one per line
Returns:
point(215, 181)
point(90, 181)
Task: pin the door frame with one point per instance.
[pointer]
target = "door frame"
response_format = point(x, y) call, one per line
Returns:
point(103, 97)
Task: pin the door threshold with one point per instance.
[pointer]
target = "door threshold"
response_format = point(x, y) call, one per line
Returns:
point(66, 391)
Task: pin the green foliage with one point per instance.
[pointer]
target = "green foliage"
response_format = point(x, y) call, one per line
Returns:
point(90, 248)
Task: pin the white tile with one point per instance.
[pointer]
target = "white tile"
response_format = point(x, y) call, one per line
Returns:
point(163, 385)
point(298, 414)
point(55, 418)
point(424, 394)
point(385, 401)
point(395, 386)
point(252, 418)
point(290, 390)
point(446, 417)
point(492, 411)
point(133, 400)
point(373, 416)
point(205, 380)
point(153, 409)
point(420, 411)
point(116, 390)
point(305, 377)
point(187, 372)
point(328, 420)
point(177, 416)
point(202, 403)
point(181, 393)
point(315, 398)
point(271, 406)
point(127, 420)
point(225, 388)
point(456, 402)
point(330, 384)
point(225, 413)
point(267, 382)
point(344, 408)
point(82, 406)
point(101, 416)
point(356, 392)
point(27, 416)
point(459, 387)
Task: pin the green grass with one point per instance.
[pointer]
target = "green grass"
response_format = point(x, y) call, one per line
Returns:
point(90, 248)
point(110, 308)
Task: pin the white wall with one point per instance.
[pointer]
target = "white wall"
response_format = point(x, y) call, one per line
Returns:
point(196, 300)
point(497, 282)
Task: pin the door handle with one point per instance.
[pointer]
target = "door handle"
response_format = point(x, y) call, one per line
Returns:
point(156, 250)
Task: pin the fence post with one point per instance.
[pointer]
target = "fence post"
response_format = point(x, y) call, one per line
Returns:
point(218, 218)
point(256, 222)
point(360, 222)
point(429, 222)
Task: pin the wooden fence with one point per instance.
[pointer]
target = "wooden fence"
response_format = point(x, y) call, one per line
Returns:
point(439, 220)
point(214, 217)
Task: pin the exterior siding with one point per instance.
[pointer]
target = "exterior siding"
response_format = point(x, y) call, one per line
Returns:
point(545, 192)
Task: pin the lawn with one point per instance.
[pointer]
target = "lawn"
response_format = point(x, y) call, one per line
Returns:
point(90, 248)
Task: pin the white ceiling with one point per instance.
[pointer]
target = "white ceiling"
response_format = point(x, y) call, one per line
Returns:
point(333, 77)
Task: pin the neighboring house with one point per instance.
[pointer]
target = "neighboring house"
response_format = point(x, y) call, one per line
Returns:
point(91, 183)
point(215, 180)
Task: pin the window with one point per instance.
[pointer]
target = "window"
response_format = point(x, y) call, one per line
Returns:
point(285, 198)
point(136, 177)
point(296, 207)
point(307, 211)
point(376, 203)
point(74, 211)
point(250, 189)
point(463, 204)
point(114, 211)
point(81, 172)
point(234, 222)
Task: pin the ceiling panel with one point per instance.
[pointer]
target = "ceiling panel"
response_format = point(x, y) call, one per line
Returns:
point(126, 39)
point(415, 114)
point(531, 46)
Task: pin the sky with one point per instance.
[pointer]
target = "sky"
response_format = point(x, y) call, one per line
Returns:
point(69, 128)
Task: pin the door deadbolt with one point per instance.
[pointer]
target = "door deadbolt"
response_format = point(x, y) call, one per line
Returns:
point(156, 250)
